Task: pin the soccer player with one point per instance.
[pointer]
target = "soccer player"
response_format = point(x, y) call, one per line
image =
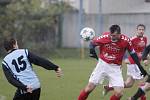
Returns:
point(111, 51)
point(139, 42)
point(17, 67)
point(143, 89)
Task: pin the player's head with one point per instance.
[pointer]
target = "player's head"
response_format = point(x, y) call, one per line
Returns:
point(115, 33)
point(140, 30)
point(10, 44)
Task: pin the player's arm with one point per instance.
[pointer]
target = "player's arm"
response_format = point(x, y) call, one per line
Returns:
point(146, 52)
point(12, 80)
point(135, 57)
point(136, 60)
point(97, 41)
point(42, 62)
point(92, 50)
point(145, 55)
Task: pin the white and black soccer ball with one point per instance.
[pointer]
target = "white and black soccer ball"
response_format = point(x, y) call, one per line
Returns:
point(87, 33)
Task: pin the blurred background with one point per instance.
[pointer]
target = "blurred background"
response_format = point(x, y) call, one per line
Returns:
point(48, 26)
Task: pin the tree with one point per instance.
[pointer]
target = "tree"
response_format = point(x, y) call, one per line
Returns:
point(33, 26)
point(4, 2)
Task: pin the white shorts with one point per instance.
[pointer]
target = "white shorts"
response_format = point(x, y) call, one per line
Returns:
point(112, 72)
point(134, 71)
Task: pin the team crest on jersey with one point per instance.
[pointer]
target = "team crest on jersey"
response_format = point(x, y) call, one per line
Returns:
point(109, 57)
point(111, 47)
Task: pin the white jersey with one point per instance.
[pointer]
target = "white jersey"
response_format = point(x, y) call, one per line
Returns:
point(18, 63)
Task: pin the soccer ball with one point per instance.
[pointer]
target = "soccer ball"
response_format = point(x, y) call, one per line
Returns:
point(87, 33)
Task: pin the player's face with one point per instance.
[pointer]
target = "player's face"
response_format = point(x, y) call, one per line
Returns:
point(115, 36)
point(140, 31)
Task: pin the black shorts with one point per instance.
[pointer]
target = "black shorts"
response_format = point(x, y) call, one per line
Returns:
point(35, 95)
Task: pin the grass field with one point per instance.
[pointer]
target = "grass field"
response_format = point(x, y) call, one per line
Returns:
point(76, 74)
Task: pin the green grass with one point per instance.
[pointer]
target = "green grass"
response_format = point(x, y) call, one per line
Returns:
point(76, 74)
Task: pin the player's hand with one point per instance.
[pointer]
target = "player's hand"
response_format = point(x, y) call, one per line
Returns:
point(145, 62)
point(143, 72)
point(93, 56)
point(29, 89)
point(58, 72)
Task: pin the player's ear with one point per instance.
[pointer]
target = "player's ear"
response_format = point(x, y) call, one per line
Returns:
point(15, 45)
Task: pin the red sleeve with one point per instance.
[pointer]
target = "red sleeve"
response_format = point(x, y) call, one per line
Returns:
point(129, 45)
point(96, 41)
point(127, 42)
point(100, 40)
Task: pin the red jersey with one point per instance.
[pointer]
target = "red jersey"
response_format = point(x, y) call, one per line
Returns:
point(105, 33)
point(139, 43)
point(112, 52)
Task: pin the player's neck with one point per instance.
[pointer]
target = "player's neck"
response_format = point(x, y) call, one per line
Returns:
point(9, 51)
point(139, 36)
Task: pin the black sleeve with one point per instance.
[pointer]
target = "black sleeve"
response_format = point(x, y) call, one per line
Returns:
point(136, 60)
point(11, 79)
point(92, 51)
point(41, 62)
point(146, 52)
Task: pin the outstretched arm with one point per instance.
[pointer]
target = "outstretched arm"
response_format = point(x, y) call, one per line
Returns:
point(146, 52)
point(44, 63)
point(136, 60)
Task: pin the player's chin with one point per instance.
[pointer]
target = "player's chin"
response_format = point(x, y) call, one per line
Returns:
point(114, 40)
point(140, 35)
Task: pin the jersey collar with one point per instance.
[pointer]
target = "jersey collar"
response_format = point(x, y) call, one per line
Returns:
point(12, 51)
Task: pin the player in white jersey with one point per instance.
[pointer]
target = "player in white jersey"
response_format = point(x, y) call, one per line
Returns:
point(17, 67)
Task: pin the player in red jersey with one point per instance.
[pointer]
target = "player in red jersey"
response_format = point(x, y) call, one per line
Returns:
point(143, 89)
point(112, 48)
point(139, 42)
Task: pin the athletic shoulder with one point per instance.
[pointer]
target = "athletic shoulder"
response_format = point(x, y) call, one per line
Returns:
point(23, 50)
point(125, 38)
point(145, 37)
point(103, 38)
point(105, 33)
point(133, 38)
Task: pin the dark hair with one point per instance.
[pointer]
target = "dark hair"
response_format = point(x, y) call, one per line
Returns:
point(8, 43)
point(115, 28)
point(141, 25)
